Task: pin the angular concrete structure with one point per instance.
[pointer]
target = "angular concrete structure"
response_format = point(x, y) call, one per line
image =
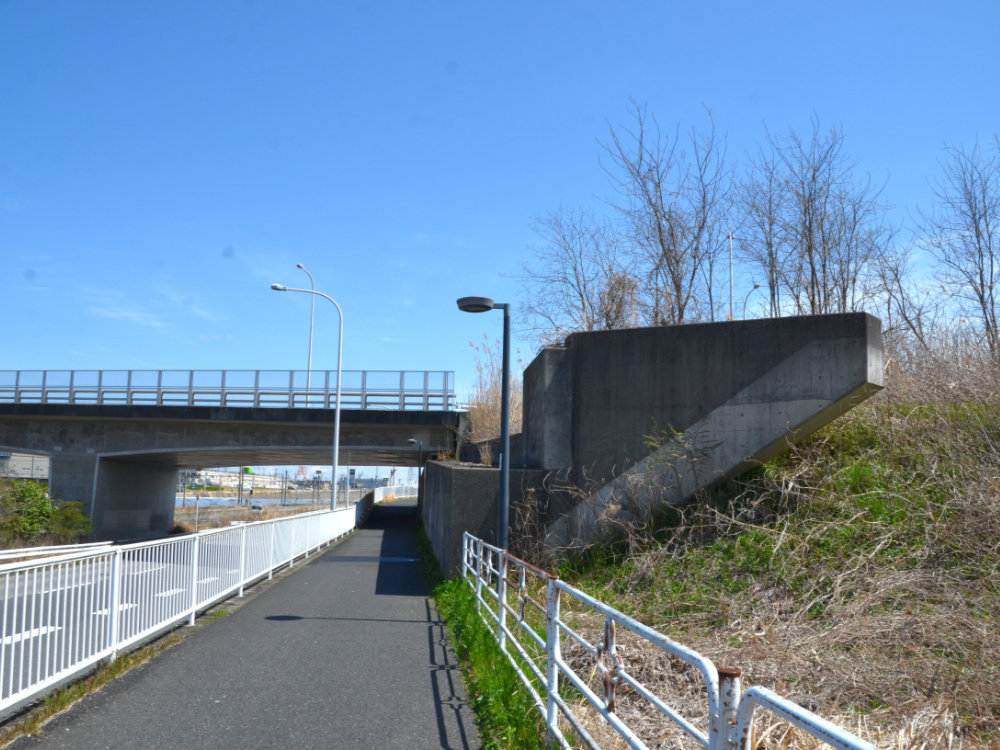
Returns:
point(651, 416)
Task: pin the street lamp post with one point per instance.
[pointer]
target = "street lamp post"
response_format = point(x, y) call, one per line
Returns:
point(483, 304)
point(747, 298)
point(340, 351)
point(420, 464)
point(312, 317)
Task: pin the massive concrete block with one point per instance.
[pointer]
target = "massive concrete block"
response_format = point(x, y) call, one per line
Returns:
point(548, 399)
point(659, 413)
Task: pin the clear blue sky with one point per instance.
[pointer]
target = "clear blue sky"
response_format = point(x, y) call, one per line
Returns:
point(161, 164)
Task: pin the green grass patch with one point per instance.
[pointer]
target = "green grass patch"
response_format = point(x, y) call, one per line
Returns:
point(505, 712)
point(876, 537)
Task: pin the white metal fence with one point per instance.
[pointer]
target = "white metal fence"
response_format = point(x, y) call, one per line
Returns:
point(599, 677)
point(61, 615)
point(395, 493)
point(360, 389)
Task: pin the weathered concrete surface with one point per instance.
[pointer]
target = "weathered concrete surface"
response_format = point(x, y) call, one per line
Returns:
point(463, 497)
point(658, 413)
point(121, 462)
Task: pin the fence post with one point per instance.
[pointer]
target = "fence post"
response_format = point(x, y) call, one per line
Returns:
point(479, 574)
point(270, 553)
point(116, 600)
point(553, 654)
point(466, 555)
point(243, 556)
point(724, 726)
point(502, 600)
point(194, 578)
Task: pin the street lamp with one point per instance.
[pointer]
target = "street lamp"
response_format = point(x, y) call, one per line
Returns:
point(483, 304)
point(747, 298)
point(420, 463)
point(420, 453)
point(340, 351)
point(312, 316)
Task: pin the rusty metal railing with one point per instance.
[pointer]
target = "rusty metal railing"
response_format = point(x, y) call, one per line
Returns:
point(587, 667)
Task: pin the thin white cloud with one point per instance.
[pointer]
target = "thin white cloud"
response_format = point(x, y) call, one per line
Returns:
point(184, 300)
point(131, 316)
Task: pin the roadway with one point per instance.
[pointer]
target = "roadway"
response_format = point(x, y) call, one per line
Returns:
point(346, 651)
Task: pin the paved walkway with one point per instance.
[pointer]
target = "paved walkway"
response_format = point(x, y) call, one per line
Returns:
point(346, 652)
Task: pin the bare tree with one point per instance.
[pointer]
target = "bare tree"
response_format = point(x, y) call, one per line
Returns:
point(579, 281)
point(672, 202)
point(815, 231)
point(910, 313)
point(962, 233)
point(762, 241)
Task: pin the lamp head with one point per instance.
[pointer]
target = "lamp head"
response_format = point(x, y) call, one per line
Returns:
point(279, 287)
point(298, 265)
point(475, 304)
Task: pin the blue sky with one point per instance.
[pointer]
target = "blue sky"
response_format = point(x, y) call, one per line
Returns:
point(161, 164)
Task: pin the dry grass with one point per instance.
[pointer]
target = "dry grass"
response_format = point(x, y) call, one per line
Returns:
point(215, 517)
point(485, 400)
point(858, 576)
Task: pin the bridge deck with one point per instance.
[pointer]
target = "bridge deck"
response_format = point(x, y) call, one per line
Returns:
point(345, 652)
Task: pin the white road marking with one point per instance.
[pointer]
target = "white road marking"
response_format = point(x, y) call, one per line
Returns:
point(18, 637)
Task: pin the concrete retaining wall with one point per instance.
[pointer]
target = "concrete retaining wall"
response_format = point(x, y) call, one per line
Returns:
point(463, 497)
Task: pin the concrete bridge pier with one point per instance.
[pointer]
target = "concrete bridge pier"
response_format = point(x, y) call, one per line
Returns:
point(124, 499)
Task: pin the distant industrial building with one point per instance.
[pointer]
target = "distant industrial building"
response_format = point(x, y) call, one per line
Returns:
point(23, 466)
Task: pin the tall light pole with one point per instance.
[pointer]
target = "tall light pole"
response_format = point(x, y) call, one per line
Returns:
point(730, 275)
point(312, 317)
point(340, 351)
point(484, 304)
point(420, 464)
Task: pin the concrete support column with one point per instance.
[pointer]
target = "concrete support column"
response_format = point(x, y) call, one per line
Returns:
point(72, 477)
point(135, 500)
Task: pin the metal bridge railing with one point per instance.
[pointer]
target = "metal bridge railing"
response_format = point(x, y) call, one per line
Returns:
point(425, 390)
point(61, 615)
point(588, 667)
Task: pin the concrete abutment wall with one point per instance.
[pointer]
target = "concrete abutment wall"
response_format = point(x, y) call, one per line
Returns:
point(634, 418)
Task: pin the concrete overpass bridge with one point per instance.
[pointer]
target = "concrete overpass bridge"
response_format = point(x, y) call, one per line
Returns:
point(116, 439)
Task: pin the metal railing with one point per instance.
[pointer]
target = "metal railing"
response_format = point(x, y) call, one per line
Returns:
point(62, 615)
point(360, 389)
point(395, 493)
point(588, 666)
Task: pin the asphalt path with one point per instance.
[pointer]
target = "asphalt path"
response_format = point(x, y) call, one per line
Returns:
point(346, 652)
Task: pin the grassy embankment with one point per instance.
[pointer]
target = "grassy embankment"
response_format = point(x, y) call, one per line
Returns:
point(857, 575)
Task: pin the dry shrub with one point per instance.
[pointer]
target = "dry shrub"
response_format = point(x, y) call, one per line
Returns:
point(948, 364)
point(858, 576)
point(485, 400)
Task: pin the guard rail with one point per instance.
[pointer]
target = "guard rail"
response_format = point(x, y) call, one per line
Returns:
point(593, 670)
point(62, 615)
point(360, 389)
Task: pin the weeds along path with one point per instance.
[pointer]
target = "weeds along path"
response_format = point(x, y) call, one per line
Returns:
point(858, 575)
